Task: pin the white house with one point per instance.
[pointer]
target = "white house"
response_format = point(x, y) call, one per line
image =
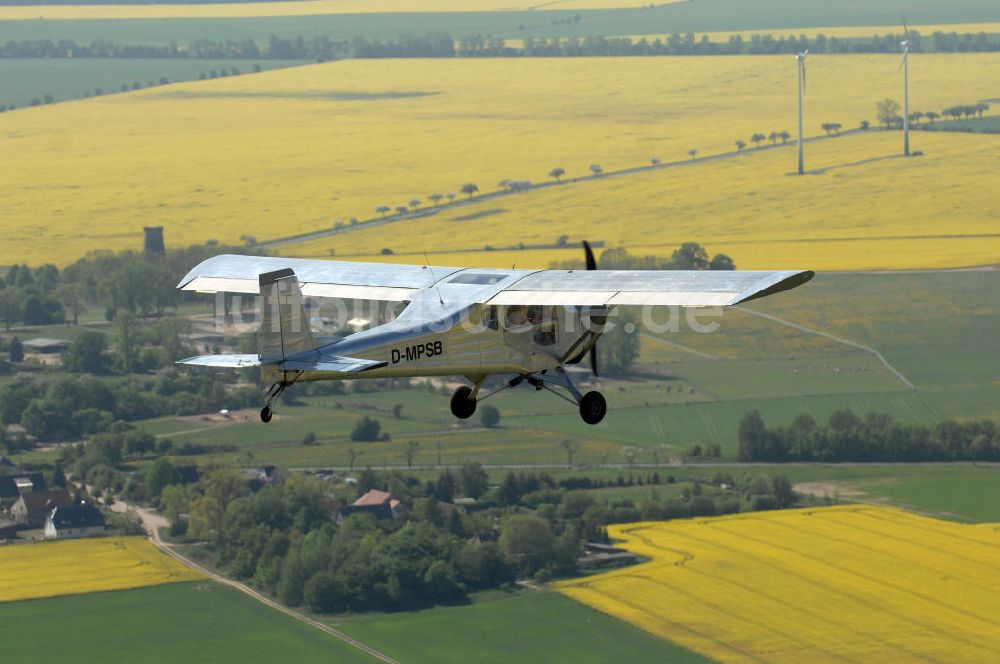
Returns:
point(80, 520)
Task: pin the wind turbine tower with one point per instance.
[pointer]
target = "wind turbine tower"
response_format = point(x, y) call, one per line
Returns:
point(906, 89)
point(800, 61)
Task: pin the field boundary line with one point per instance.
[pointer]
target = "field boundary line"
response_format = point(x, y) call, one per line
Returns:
point(852, 344)
point(681, 347)
point(150, 520)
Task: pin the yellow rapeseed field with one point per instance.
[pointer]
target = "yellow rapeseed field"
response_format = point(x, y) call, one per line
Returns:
point(72, 567)
point(862, 207)
point(290, 151)
point(298, 8)
point(852, 583)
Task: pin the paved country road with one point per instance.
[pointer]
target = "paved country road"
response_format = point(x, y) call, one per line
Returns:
point(153, 521)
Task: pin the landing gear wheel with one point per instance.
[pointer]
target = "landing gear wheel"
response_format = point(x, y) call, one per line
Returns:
point(462, 405)
point(265, 414)
point(593, 407)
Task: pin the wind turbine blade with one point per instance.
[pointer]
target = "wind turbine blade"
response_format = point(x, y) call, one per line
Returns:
point(901, 63)
point(803, 75)
point(906, 29)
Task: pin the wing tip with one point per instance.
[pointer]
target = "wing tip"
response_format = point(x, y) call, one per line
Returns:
point(793, 280)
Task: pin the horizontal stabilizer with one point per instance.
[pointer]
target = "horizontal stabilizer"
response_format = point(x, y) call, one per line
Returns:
point(332, 363)
point(231, 361)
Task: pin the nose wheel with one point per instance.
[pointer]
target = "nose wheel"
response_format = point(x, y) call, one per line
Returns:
point(265, 414)
point(463, 404)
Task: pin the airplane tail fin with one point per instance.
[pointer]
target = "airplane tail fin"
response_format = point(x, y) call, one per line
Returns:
point(284, 329)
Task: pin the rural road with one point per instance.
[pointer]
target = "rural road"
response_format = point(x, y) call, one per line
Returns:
point(152, 522)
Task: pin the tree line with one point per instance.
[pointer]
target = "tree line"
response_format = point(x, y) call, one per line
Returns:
point(442, 45)
point(287, 539)
point(874, 438)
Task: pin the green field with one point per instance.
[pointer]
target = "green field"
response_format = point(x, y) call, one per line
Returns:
point(22, 80)
point(701, 16)
point(196, 622)
point(938, 329)
point(527, 627)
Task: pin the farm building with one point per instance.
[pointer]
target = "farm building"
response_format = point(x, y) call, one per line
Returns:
point(32, 508)
point(80, 520)
point(44, 346)
point(381, 504)
point(12, 486)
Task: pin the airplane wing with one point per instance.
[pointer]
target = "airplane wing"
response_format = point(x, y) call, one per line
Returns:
point(333, 363)
point(229, 361)
point(395, 282)
point(317, 278)
point(689, 288)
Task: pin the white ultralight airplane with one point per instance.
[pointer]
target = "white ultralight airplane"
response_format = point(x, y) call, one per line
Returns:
point(527, 324)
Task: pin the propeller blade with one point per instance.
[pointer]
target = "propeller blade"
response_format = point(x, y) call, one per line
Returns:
point(591, 265)
point(589, 254)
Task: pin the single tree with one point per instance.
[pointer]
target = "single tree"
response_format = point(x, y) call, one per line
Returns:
point(15, 350)
point(757, 138)
point(721, 262)
point(415, 203)
point(383, 210)
point(654, 161)
point(366, 430)
point(126, 340)
point(887, 112)
point(773, 137)
point(932, 116)
point(740, 145)
point(557, 173)
point(435, 198)
point(570, 447)
point(490, 417)
point(693, 152)
point(469, 189)
point(410, 452)
point(11, 304)
point(596, 169)
point(784, 135)
point(451, 195)
point(402, 209)
point(71, 296)
point(865, 124)
point(981, 108)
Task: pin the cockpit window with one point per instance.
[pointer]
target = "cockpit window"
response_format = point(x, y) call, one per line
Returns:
point(478, 278)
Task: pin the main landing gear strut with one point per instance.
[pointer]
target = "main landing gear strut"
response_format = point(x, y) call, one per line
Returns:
point(273, 392)
point(592, 405)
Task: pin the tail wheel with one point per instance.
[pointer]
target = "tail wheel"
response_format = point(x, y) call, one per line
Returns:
point(462, 404)
point(593, 407)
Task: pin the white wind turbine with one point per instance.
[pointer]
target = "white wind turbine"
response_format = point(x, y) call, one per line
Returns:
point(800, 61)
point(905, 66)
